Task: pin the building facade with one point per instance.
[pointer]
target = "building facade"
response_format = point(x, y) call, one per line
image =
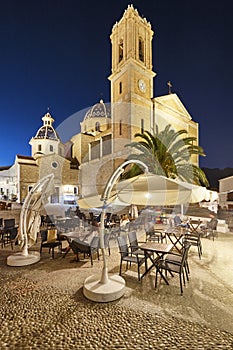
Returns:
point(48, 155)
point(84, 165)
point(226, 192)
point(106, 129)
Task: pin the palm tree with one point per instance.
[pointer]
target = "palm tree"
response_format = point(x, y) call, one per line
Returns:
point(169, 154)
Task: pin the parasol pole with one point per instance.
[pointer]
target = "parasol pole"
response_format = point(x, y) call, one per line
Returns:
point(106, 288)
point(105, 197)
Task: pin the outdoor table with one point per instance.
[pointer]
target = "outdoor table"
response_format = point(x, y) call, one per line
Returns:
point(176, 236)
point(160, 249)
point(194, 225)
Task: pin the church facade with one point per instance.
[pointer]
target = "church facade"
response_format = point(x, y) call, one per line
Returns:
point(85, 164)
point(107, 129)
point(48, 155)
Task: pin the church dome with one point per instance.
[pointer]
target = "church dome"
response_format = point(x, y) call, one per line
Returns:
point(99, 110)
point(47, 131)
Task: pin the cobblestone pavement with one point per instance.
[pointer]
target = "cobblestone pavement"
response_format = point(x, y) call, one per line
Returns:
point(42, 306)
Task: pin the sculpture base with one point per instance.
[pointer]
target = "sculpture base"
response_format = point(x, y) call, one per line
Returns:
point(94, 290)
point(18, 259)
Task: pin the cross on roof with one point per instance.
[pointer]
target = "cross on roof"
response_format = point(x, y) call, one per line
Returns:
point(169, 84)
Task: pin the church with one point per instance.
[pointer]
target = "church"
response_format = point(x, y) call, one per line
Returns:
point(106, 129)
point(83, 165)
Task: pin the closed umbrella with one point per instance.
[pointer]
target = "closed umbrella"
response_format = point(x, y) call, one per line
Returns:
point(30, 221)
point(30, 213)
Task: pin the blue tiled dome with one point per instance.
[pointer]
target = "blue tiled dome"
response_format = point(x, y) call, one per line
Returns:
point(47, 131)
point(99, 110)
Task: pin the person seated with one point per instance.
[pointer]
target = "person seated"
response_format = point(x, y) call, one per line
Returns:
point(124, 220)
point(177, 220)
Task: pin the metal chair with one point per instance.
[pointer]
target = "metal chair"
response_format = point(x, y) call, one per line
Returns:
point(80, 247)
point(133, 241)
point(129, 256)
point(9, 233)
point(195, 240)
point(174, 265)
point(210, 230)
point(50, 243)
point(155, 235)
point(177, 257)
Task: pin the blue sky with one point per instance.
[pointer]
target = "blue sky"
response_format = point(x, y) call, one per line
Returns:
point(57, 54)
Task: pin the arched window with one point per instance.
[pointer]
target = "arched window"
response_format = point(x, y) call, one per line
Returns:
point(120, 87)
point(97, 126)
point(141, 50)
point(142, 126)
point(39, 148)
point(51, 148)
point(121, 53)
point(120, 127)
point(95, 149)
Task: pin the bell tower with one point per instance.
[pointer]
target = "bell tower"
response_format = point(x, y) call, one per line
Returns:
point(131, 78)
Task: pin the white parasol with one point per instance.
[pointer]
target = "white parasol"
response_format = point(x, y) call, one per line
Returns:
point(150, 189)
point(146, 189)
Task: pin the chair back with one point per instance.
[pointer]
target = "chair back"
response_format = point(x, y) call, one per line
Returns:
point(9, 223)
point(154, 235)
point(132, 236)
point(43, 235)
point(79, 247)
point(185, 251)
point(123, 246)
point(213, 224)
point(52, 235)
point(114, 232)
point(49, 220)
point(13, 233)
point(95, 242)
point(106, 239)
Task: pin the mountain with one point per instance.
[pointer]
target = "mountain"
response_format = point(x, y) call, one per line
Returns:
point(213, 175)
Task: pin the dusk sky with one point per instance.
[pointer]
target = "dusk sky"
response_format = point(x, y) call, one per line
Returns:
point(57, 54)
